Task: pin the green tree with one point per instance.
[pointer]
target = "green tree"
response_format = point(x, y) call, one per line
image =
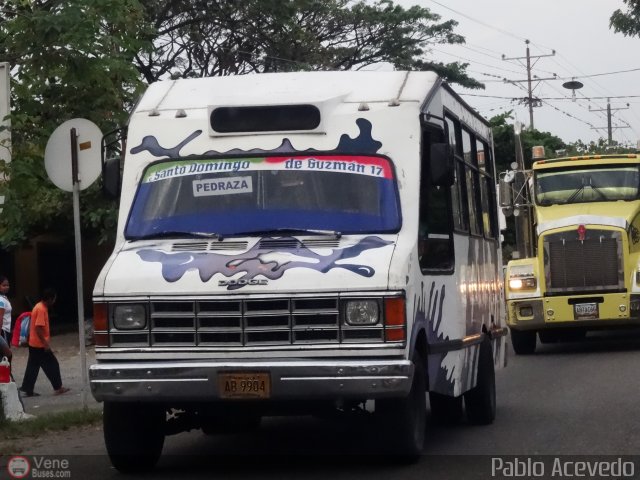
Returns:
point(68, 59)
point(599, 147)
point(197, 38)
point(505, 154)
point(505, 145)
point(627, 22)
point(90, 59)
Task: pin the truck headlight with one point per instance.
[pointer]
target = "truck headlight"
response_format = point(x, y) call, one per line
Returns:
point(527, 283)
point(129, 317)
point(362, 312)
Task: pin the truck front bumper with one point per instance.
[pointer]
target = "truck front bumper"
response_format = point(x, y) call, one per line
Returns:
point(611, 310)
point(289, 380)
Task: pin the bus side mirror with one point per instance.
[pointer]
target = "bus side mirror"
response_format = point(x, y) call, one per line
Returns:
point(111, 177)
point(442, 165)
point(113, 148)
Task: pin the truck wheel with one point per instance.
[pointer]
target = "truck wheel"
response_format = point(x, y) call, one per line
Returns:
point(524, 342)
point(405, 418)
point(445, 410)
point(133, 435)
point(480, 401)
point(546, 336)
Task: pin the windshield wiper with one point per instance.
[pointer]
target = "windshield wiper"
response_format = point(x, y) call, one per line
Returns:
point(585, 184)
point(178, 234)
point(597, 190)
point(293, 231)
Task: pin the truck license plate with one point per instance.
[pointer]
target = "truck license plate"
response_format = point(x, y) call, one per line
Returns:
point(585, 311)
point(244, 385)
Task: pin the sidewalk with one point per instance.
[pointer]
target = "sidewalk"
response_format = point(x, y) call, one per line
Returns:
point(67, 350)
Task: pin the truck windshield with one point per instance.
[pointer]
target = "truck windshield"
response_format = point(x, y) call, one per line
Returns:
point(244, 196)
point(594, 184)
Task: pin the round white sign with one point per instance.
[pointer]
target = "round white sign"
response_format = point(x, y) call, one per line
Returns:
point(57, 154)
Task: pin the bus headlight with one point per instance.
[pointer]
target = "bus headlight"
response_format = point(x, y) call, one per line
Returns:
point(129, 317)
point(362, 312)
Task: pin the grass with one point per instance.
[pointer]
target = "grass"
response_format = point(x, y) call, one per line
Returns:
point(49, 422)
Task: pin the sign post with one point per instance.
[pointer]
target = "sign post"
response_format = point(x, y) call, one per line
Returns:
point(72, 161)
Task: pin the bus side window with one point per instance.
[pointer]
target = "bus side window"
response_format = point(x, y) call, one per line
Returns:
point(435, 232)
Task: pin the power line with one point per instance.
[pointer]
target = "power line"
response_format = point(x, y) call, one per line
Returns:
point(473, 61)
point(505, 32)
point(531, 101)
point(602, 74)
point(553, 98)
point(568, 71)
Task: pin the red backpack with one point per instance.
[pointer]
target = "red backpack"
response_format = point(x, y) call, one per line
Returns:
point(18, 337)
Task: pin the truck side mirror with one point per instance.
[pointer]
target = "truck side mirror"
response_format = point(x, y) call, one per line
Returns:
point(111, 177)
point(442, 165)
point(506, 196)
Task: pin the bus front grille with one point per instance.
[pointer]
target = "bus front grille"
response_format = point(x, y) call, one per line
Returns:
point(247, 323)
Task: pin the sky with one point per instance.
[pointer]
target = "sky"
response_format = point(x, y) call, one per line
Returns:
point(586, 50)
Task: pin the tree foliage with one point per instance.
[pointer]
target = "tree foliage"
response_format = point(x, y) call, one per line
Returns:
point(91, 58)
point(627, 22)
point(197, 38)
point(68, 59)
point(505, 144)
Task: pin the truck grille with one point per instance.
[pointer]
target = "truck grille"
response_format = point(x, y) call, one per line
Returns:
point(592, 264)
point(247, 323)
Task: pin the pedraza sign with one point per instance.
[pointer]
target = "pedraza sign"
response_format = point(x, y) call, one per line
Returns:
point(222, 186)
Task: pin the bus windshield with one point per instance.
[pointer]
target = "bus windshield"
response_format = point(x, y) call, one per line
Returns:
point(245, 196)
point(604, 183)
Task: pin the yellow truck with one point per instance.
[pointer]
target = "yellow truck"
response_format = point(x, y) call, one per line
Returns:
point(585, 270)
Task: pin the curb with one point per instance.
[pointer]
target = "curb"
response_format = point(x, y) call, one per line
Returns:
point(12, 408)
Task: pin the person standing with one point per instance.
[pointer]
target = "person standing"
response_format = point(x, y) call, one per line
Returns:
point(40, 353)
point(5, 309)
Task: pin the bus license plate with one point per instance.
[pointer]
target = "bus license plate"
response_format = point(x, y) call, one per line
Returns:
point(244, 385)
point(585, 311)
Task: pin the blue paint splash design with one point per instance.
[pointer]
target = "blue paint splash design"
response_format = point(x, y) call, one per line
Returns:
point(256, 262)
point(363, 143)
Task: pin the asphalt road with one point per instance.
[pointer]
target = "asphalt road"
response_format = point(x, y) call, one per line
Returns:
point(577, 399)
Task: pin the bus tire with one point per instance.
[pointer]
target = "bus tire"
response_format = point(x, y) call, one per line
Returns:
point(480, 401)
point(445, 410)
point(133, 435)
point(405, 419)
point(524, 342)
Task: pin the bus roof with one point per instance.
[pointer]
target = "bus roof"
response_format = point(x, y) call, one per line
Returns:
point(289, 88)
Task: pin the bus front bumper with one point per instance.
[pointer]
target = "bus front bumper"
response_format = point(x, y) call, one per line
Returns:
point(287, 380)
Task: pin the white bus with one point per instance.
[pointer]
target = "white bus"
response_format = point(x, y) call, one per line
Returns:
point(299, 242)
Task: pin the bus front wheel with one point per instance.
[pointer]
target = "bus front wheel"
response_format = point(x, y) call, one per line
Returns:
point(405, 418)
point(133, 435)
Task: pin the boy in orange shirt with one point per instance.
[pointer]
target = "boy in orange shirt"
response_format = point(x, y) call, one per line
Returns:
point(40, 353)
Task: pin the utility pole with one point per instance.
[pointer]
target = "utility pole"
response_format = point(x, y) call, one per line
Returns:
point(609, 126)
point(530, 100)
